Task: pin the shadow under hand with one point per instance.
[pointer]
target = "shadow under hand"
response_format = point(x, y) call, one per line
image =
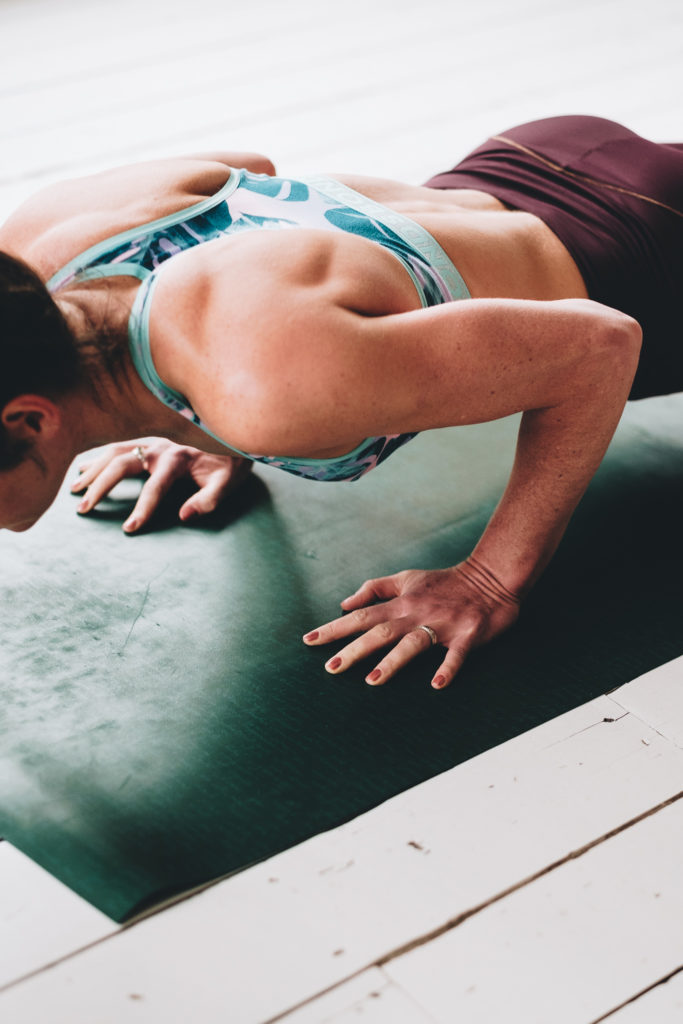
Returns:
point(118, 505)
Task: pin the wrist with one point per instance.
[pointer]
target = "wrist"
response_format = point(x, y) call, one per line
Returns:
point(489, 583)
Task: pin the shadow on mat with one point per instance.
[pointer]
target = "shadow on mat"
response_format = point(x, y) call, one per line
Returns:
point(118, 505)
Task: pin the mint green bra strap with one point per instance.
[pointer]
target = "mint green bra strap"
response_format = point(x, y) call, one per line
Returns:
point(114, 270)
point(94, 252)
point(409, 230)
point(141, 355)
point(139, 343)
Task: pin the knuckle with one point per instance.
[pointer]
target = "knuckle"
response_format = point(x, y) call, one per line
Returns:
point(385, 630)
point(415, 640)
point(183, 455)
point(360, 617)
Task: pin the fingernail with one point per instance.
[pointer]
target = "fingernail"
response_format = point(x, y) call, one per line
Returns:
point(82, 506)
point(130, 524)
point(438, 682)
point(76, 485)
point(310, 637)
point(189, 513)
point(374, 676)
point(333, 664)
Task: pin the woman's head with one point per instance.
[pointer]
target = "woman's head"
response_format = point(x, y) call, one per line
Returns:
point(38, 355)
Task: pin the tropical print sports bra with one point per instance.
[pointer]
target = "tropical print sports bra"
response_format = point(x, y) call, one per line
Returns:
point(249, 202)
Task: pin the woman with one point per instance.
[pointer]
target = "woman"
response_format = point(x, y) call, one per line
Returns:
point(207, 330)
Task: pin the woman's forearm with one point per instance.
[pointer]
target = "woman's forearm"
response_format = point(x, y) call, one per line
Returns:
point(560, 445)
point(559, 448)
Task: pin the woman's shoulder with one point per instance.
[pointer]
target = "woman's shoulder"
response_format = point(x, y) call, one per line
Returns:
point(273, 282)
point(242, 327)
point(66, 217)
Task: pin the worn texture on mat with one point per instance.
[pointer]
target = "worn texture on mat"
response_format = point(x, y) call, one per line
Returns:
point(163, 725)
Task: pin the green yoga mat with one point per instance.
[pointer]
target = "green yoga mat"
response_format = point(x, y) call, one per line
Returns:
point(163, 725)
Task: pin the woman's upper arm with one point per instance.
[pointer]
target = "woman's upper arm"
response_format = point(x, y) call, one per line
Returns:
point(318, 373)
point(289, 369)
point(475, 360)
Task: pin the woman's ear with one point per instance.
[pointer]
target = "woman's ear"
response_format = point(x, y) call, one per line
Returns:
point(31, 417)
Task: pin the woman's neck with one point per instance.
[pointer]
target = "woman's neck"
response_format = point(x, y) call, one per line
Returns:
point(112, 403)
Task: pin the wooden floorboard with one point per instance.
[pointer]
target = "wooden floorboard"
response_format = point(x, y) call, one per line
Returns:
point(662, 1004)
point(411, 870)
point(568, 947)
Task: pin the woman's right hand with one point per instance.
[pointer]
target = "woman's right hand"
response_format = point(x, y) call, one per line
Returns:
point(215, 476)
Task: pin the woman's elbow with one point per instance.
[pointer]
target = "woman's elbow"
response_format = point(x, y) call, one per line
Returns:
point(612, 348)
point(623, 341)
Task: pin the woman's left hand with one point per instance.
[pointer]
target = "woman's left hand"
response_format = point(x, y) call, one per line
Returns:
point(465, 607)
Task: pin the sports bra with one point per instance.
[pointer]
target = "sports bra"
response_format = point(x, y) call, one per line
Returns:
point(249, 202)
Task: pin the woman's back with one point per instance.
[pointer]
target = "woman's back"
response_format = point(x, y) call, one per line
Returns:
point(498, 252)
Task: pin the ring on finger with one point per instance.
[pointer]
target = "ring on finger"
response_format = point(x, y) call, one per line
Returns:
point(430, 633)
point(139, 452)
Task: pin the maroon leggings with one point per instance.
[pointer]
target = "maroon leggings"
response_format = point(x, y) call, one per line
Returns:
point(616, 202)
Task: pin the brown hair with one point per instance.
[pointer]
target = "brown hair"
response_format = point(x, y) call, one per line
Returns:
point(38, 352)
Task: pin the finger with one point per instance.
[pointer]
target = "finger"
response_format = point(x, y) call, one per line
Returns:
point(358, 621)
point(449, 667)
point(409, 646)
point(375, 638)
point(208, 498)
point(82, 481)
point(93, 467)
point(90, 470)
point(153, 492)
point(372, 590)
point(116, 470)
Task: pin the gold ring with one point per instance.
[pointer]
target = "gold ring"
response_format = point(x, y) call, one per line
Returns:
point(430, 633)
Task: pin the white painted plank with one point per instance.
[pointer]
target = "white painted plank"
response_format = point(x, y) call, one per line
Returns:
point(313, 916)
point(40, 919)
point(88, 40)
point(370, 997)
point(162, 103)
point(570, 946)
point(406, 133)
point(662, 1005)
point(657, 699)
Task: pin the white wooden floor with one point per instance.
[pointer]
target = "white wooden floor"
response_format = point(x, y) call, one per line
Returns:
point(537, 883)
